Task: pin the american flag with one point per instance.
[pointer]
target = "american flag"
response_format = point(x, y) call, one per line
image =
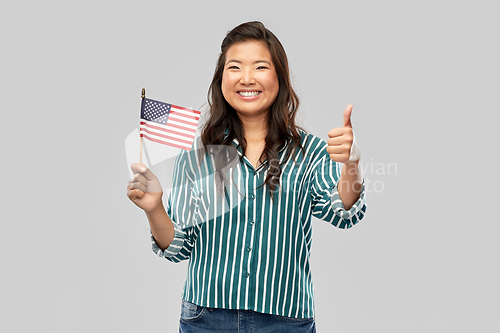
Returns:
point(168, 124)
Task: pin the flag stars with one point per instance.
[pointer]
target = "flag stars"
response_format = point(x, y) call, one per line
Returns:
point(157, 112)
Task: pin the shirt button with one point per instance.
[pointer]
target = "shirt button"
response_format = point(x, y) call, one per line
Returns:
point(252, 222)
point(249, 249)
point(247, 274)
point(252, 196)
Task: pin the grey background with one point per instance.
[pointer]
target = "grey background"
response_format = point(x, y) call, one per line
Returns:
point(422, 76)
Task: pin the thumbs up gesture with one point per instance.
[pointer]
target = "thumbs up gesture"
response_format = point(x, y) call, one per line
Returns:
point(341, 144)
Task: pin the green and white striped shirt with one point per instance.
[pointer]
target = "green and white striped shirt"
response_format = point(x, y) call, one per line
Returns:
point(245, 250)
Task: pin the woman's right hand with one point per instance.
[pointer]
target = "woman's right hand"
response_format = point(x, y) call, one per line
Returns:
point(144, 189)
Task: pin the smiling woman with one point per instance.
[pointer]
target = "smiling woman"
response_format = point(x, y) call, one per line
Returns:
point(242, 216)
point(249, 81)
point(252, 59)
point(250, 85)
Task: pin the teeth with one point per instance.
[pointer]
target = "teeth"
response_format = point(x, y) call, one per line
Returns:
point(248, 93)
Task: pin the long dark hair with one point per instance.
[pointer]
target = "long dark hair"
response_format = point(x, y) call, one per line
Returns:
point(223, 124)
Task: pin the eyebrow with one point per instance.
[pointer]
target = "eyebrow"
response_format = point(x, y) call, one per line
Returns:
point(255, 62)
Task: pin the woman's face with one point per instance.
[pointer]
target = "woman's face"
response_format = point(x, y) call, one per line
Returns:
point(249, 81)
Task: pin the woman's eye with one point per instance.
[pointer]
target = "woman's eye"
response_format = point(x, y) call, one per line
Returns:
point(261, 67)
point(233, 67)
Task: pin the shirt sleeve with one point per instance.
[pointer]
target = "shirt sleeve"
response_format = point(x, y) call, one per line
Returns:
point(326, 202)
point(182, 208)
point(172, 252)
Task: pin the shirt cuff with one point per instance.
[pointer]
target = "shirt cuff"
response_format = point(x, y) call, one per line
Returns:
point(357, 208)
point(174, 248)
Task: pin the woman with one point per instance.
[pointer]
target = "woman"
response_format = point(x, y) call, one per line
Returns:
point(241, 205)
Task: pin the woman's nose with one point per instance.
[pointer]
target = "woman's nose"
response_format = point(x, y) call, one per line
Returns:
point(247, 78)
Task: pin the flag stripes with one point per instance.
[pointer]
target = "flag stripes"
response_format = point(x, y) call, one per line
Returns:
point(168, 124)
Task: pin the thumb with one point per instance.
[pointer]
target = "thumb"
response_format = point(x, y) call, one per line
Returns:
point(347, 116)
point(153, 185)
point(142, 169)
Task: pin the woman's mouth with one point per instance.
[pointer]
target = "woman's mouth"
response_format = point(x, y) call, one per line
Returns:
point(249, 94)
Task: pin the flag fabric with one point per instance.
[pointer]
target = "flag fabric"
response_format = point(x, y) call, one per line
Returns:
point(168, 124)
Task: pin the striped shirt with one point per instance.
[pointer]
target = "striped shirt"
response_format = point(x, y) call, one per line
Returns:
point(245, 250)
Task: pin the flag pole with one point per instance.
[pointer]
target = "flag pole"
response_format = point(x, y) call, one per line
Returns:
point(143, 95)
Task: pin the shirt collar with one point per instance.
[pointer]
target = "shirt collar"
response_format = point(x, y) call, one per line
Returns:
point(236, 143)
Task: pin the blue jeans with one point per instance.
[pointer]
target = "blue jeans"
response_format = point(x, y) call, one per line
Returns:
point(198, 319)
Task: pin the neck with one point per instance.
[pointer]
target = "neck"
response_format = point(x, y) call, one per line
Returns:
point(255, 128)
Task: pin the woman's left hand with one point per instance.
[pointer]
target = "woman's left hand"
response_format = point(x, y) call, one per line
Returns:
point(341, 140)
